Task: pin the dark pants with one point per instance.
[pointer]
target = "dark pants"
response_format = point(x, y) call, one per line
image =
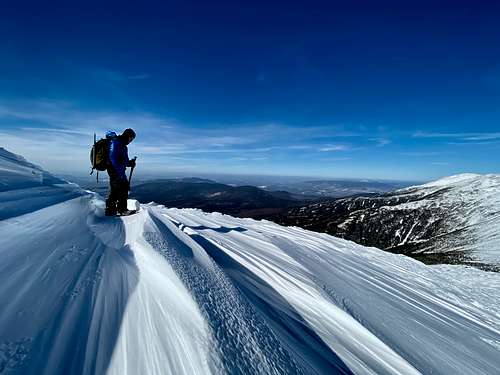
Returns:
point(118, 193)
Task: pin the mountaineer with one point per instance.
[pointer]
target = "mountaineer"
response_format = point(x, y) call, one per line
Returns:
point(119, 185)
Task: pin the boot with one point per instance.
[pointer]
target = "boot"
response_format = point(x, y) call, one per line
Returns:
point(110, 207)
point(110, 212)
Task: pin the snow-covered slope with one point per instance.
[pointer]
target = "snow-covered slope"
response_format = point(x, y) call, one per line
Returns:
point(169, 291)
point(469, 206)
point(451, 220)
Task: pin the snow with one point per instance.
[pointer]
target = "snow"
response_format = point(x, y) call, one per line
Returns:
point(216, 194)
point(170, 317)
point(471, 205)
point(16, 172)
point(452, 180)
point(21, 181)
point(180, 291)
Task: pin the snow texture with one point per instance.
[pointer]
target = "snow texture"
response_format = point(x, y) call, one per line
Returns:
point(472, 203)
point(180, 291)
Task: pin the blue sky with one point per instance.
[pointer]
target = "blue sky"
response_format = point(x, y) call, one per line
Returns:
point(357, 89)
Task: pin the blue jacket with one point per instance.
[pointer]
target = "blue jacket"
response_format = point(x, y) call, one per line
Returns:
point(118, 156)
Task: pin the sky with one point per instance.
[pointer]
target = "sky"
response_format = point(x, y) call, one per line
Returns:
point(400, 90)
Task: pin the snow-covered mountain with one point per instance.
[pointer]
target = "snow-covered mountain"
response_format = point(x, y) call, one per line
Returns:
point(452, 220)
point(172, 291)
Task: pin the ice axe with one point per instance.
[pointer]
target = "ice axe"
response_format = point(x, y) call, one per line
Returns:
point(130, 175)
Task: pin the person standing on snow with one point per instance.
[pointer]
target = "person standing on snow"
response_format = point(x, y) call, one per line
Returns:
point(118, 182)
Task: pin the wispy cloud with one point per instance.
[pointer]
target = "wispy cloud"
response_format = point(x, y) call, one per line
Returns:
point(300, 147)
point(53, 130)
point(461, 136)
point(475, 143)
point(330, 160)
point(423, 153)
point(331, 148)
point(59, 134)
point(117, 76)
point(138, 76)
point(243, 158)
point(381, 142)
point(440, 163)
point(60, 116)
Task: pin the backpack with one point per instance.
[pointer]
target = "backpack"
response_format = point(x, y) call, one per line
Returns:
point(99, 154)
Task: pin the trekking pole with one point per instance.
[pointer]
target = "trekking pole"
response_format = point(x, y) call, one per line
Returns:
point(130, 175)
point(93, 156)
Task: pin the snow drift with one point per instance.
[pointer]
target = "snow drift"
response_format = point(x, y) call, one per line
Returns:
point(169, 291)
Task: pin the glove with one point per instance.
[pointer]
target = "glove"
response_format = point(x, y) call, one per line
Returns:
point(131, 163)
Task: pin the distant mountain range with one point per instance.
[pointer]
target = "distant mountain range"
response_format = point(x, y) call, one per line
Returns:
point(300, 188)
point(236, 198)
point(337, 188)
point(243, 201)
point(452, 220)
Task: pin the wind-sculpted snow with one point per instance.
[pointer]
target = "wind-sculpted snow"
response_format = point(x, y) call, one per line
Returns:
point(25, 187)
point(425, 317)
point(18, 173)
point(170, 291)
